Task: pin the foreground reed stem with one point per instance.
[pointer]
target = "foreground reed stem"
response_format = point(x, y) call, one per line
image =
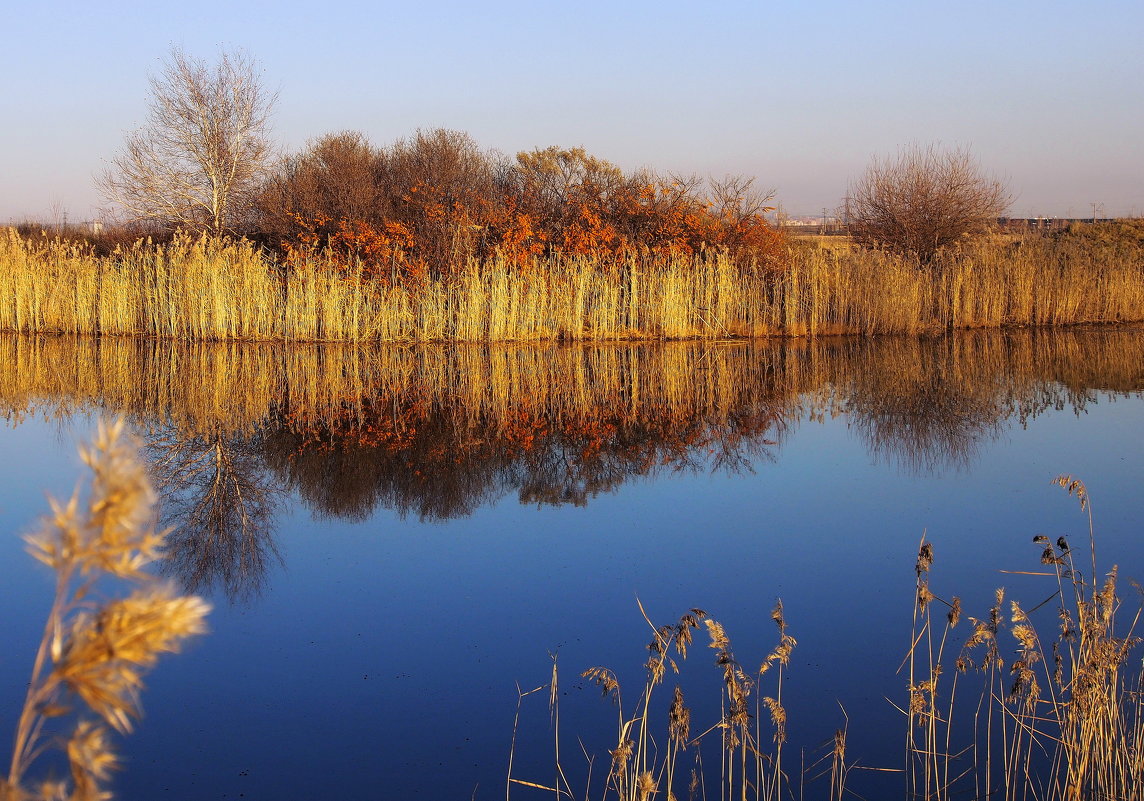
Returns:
point(95, 651)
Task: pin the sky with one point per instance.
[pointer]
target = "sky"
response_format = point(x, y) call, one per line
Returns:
point(1048, 96)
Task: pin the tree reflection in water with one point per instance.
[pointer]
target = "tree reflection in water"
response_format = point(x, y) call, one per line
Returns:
point(930, 404)
point(439, 432)
point(219, 501)
point(441, 462)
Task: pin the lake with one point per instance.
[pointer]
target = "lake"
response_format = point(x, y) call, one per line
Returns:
point(399, 541)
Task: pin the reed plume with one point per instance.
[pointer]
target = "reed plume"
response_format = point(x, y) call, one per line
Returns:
point(643, 766)
point(1057, 717)
point(95, 652)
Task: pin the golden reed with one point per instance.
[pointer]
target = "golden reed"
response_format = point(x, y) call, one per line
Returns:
point(224, 290)
point(1042, 701)
point(95, 650)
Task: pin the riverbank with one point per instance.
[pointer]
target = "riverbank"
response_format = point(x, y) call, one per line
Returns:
point(225, 290)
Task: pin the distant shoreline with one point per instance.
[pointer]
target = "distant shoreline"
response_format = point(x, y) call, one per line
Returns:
point(226, 290)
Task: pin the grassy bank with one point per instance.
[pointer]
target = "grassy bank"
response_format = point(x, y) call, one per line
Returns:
point(218, 290)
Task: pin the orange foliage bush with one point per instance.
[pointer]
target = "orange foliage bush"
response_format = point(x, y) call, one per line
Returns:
point(428, 207)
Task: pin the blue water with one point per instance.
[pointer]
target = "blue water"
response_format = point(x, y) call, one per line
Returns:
point(381, 658)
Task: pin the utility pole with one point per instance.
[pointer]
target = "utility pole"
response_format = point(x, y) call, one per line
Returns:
point(824, 221)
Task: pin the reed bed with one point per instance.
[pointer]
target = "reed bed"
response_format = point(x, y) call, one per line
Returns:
point(226, 290)
point(1036, 702)
point(222, 290)
point(990, 284)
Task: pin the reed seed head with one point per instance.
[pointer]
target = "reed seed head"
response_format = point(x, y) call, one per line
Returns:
point(679, 720)
point(604, 679)
point(925, 559)
point(1074, 486)
point(92, 761)
point(954, 615)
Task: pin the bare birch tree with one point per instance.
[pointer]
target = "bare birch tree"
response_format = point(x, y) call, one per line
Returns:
point(922, 201)
point(197, 161)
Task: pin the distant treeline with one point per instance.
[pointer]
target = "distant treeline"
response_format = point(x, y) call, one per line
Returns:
point(423, 207)
point(1015, 225)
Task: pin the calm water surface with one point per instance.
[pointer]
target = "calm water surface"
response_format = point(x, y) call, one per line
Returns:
point(395, 539)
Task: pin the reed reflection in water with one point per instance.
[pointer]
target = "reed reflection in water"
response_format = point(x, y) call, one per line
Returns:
point(438, 432)
point(444, 619)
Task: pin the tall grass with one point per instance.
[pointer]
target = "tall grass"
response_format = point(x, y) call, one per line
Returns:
point(988, 284)
point(95, 651)
point(219, 290)
point(215, 290)
point(645, 764)
point(1062, 719)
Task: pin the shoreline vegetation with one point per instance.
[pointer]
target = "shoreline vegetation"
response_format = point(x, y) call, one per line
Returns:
point(213, 288)
point(1031, 700)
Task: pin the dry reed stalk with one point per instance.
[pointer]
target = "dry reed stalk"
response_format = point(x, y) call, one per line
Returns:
point(211, 290)
point(1060, 720)
point(96, 652)
point(929, 757)
point(641, 768)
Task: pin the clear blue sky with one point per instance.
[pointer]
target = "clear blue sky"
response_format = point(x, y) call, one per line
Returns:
point(1049, 95)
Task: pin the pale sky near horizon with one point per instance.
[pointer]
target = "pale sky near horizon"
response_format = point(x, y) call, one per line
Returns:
point(1048, 95)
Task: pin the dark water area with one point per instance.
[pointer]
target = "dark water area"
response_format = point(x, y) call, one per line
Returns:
point(398, 541)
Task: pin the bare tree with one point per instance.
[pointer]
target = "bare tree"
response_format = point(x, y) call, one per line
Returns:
point(196, 163)
point(922, 201)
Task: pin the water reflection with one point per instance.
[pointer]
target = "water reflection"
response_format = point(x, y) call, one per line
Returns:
point(439, 432)
point(929, 405)
point(219, 501)
point(438, 457)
